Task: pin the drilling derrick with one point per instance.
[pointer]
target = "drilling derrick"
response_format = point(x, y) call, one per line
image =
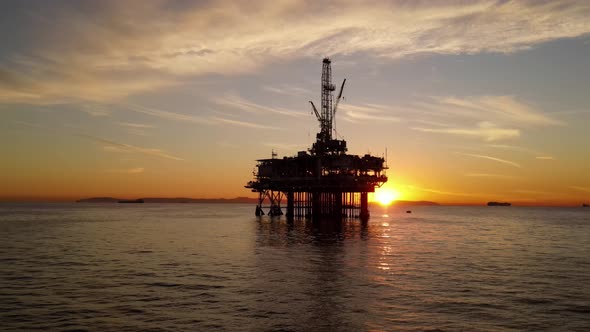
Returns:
point(325, 144)
point(324, 181)
point(327, 89)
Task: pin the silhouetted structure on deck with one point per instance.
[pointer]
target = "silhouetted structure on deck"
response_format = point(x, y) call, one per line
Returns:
point(324, 181)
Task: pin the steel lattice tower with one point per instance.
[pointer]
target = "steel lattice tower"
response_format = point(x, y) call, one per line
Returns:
point(327, 98)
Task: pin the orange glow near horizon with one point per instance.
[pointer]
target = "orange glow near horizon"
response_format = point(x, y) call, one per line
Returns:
point(385, 196)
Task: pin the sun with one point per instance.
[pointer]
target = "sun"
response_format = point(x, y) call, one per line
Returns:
point(385, 196)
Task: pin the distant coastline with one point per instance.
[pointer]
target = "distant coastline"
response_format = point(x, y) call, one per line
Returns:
point(220, 200)
point(169, 200)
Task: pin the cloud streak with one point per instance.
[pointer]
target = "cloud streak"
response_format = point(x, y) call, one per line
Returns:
point(200, 120)
point(237, 102)
point(515, 148)
point(120, 147)
point(245, 124)
point(538, 192)
point(135, 125)
point(584, 189)
point(288, 90)
point(440, 192)
point(136, 170)
point(497, 117)
point(498, 160)
point(484, 130)
point(538, 155)
point(488, 175)
point(167, 115)
point(367, 112)
point(505, 109)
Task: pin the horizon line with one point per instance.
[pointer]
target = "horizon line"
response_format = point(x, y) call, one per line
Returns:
point(35, 199)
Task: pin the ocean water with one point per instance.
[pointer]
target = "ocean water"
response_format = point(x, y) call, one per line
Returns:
point(215, 267)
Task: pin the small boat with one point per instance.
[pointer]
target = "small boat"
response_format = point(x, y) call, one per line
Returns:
point(139, 200)
point(585, 205)
point(499, 204)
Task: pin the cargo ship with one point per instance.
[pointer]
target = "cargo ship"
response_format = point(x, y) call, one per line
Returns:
point(139, 200)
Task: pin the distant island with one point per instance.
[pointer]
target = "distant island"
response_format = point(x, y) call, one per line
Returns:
point(499, 204)
point(168, 200)
point(216, 200)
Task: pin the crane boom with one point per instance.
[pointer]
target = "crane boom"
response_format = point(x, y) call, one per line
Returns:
point(341, 88)
point(315, 110)
point(339, 96)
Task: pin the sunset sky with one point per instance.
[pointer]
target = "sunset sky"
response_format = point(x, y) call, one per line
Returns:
point(473, 101)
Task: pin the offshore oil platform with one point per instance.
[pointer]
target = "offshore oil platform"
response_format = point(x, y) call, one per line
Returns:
point(324, 181)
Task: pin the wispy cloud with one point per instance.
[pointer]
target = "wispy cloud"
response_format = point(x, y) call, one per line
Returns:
point(488, 175)
point(286, 89)
point(484, 130)
point(571, 112)
point(538, 192)
point(135, 125)
point(237, 102)
point(139, 129)
point(50, 80)
point(584, 189)
point(116, 149)
point(367, 112)
point(245, 124)
point(120, 147)
point(209, 120)
point(95, 110)
point(136, 170)
point(538, 154)
point(488, 118)
point(431, 123)
point(115, 48)
point(28, 124)
point(167, 114)
point(514, 148)
point(440, 192)
point(500, 109)
point(503, 161)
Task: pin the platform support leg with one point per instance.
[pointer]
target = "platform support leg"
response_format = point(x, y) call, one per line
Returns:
point(316, 204)
point(338, 212)
point(290, 205)
point(259, 212)
point(364, 206)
